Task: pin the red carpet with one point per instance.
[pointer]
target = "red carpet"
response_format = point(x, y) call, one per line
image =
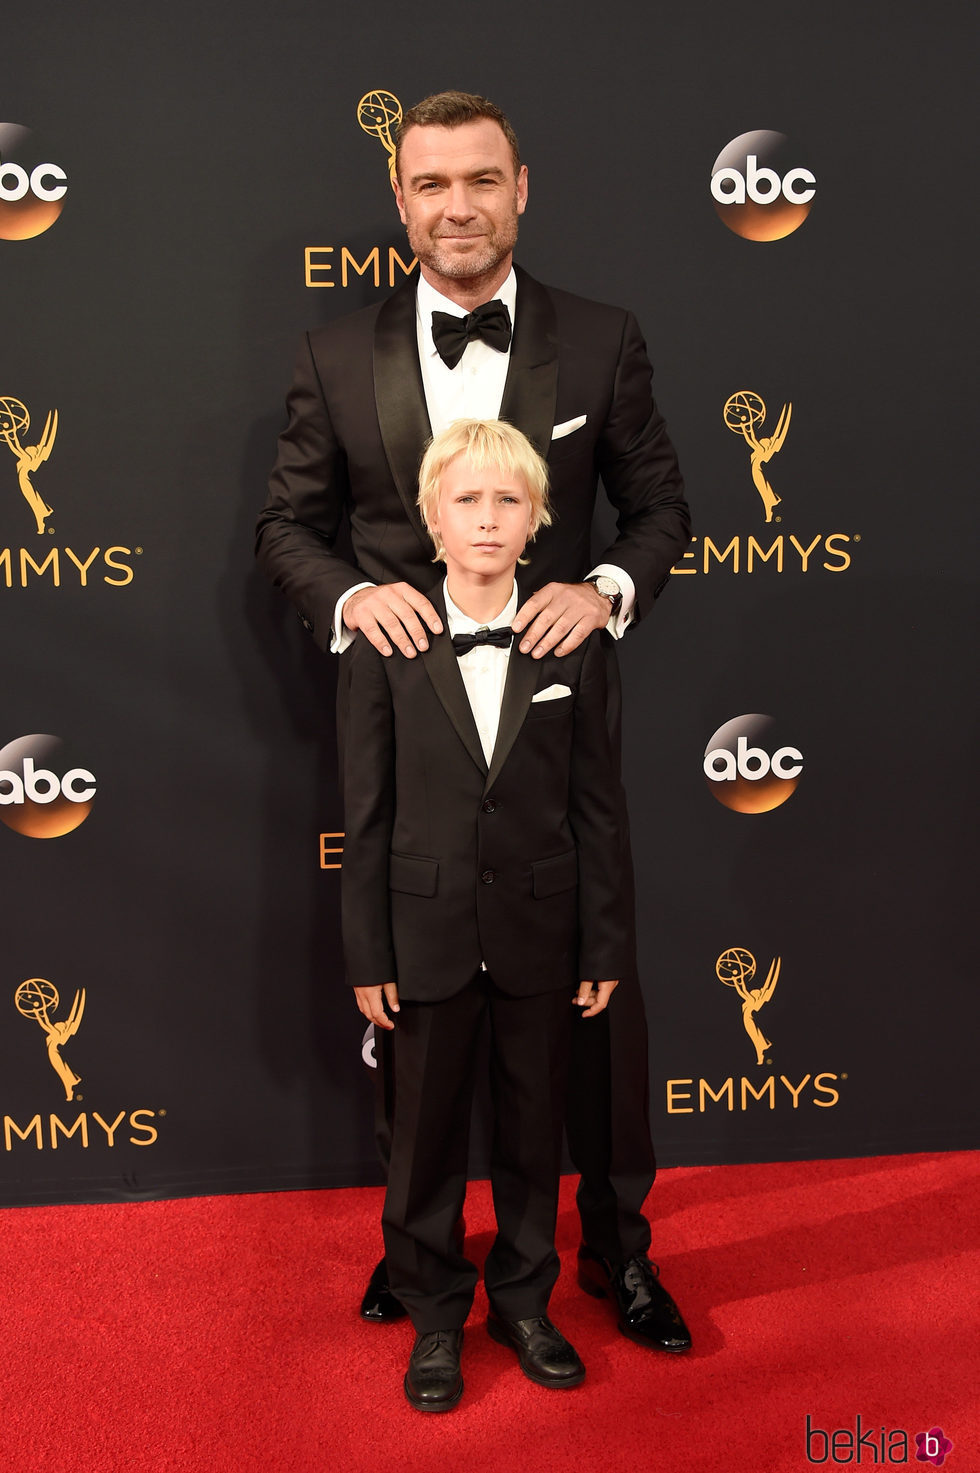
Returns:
point(218, 1334)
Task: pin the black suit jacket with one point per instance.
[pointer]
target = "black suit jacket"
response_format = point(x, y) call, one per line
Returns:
point(357, 425)
point(446, 864)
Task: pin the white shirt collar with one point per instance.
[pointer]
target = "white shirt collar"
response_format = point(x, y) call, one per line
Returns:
point(460, 623)
point(428, 300)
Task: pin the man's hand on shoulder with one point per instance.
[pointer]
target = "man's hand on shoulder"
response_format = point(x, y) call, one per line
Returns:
point(390, 615)
point(559, 617)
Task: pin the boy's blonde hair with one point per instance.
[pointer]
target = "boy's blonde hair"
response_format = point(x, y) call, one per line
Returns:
point(485, 443)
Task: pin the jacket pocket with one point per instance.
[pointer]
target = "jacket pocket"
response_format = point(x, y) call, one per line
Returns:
point(552, 876)
point(413, 876)
point(541, 710)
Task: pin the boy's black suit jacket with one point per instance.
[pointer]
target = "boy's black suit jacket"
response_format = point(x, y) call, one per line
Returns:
point(446, 865)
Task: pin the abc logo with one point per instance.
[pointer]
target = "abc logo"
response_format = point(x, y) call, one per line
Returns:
point(759, 189)
point(32, 192)
point(39, 795)
point(745, 768)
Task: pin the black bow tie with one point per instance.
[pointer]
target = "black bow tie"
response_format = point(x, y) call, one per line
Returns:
point(501, 638)
point(491, 322)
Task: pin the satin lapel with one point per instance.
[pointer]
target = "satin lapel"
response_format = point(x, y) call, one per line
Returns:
point(522, 673)
point(531, 390)
point(400, 398)
point(442, 668)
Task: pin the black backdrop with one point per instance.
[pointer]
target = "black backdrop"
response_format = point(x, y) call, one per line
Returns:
point(206, 149)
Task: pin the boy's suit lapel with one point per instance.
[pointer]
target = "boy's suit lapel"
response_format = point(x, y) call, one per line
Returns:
point(442, 668)
point(522, 675)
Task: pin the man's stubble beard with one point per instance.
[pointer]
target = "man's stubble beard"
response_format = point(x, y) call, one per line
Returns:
point(444, 261)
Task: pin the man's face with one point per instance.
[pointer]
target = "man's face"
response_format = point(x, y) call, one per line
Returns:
point(483, 518)
point(459, 199)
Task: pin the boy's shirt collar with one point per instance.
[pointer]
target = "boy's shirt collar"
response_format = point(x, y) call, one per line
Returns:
point(460, 623)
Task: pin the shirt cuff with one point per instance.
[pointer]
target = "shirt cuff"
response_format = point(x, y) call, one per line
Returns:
point(341, 637)
point(618, 623)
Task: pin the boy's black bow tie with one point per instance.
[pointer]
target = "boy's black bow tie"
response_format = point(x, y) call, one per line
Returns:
point(491, 322)
point(502, 637)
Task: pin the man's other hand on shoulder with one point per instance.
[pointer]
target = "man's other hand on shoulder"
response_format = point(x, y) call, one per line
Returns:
point(559, 617)
point(392, 615)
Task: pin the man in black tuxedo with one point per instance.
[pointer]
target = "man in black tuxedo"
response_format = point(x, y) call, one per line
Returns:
point(574, 376)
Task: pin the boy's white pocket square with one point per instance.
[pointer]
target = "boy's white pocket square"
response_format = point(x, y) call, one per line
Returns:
point(551, 693)
point(560, 431)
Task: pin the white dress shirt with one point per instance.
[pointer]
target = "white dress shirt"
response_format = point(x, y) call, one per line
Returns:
point(483, 668)
point(474, 389)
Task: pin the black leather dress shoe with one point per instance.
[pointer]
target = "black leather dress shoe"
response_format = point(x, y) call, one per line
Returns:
point(379, 1304)
point(545, 1355)
point(647, 1314)
point(433, 1381)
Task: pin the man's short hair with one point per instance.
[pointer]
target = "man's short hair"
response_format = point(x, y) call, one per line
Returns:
point(485, 443)
point(451, 110)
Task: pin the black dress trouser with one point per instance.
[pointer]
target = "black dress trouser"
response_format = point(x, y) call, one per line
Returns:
point(434, 1050)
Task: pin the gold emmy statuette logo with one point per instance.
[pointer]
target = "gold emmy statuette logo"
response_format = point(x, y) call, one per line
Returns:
point(736, 968)
point(379, 114)
point(745, 412)
point(37, 999)
point(15, 421)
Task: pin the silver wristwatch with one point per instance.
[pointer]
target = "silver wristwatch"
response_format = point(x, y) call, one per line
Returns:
point(609, 588)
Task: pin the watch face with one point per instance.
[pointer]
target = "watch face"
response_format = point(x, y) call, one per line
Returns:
point(608, 587)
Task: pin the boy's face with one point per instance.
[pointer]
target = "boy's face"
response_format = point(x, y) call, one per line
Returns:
point(483, 518)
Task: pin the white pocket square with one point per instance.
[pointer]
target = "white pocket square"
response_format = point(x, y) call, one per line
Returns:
point(560, 431)
point(551, 693)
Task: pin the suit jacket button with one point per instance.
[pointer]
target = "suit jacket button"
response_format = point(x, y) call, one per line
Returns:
point(490, 806)
point(488, 876)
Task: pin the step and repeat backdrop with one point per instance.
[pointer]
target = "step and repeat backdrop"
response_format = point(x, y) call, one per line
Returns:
point(784, 198)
